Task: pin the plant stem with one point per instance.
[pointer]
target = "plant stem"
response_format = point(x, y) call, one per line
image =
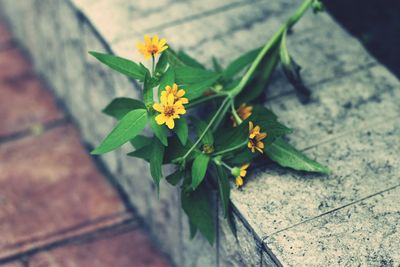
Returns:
point(271, 43)
point(235, 115)
point(226, 166)
point(207, 128)
point(153, 65)
point(230, 149)
point(202, 100)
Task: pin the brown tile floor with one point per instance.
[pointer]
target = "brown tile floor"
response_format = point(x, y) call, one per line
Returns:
point(56, 208)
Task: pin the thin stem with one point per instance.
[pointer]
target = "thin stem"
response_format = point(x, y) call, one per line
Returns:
point(153, 65)
point(226, 166)
point(271, 43)
point(206, 129)
point(235, 115)
point(221, 116)
point(202, 100)
point(230, 149)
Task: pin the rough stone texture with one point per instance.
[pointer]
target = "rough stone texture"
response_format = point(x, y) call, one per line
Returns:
point(350, 124)
point(364, 234)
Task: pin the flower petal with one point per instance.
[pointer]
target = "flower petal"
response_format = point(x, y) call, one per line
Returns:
point(170, 99)
point(250, 126)
point(158, 107)
point(184, 100)
point(170, 123)
point(238, 181)
point(245, 166)
point(162, 42)
point(155, 40)
point(180, 93)
point(164, 99)
point(147, 40)
point(160, 119)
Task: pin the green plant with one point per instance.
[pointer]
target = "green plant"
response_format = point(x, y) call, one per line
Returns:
point(228, 134)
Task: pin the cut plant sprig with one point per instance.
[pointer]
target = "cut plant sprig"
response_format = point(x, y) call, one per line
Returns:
point(235, 135)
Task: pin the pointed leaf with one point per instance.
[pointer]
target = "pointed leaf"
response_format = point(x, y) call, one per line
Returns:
point(156, 160)
point(181, 130)
point(287, 156)
point(200, 127)
point(120, 106)
point(127, 128)
point(162, 64)
point(199, 169)
point(122, 65)
point(167, 79)
point(224, 188)
point(159, 130)
point(175, 177)
point(189, 61)
point(148, 98)
point(141, 141)
point(198, 208)
point(240, 63)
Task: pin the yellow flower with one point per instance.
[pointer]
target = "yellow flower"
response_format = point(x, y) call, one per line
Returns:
point(243, 172)
point(244, 112)
point(152, 46)
point(176, 92)
point(169, 110)
point(255, 137)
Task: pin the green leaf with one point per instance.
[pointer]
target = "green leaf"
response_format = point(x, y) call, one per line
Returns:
point(127, 128)
point(173, 58)
point(196, 90)
point(230, 137)
point(122, 65)
point(224, 188)
point(199, 169)
point(231, 221)
point(148, 90)
point(143, 152)
point(287, 156)
point(189, 61)
point(217, 67)
point(161, 64)
point(198, 208)
point(175, 150)
point(156, 161)
point(200, 126)
point(268, 123)
point(159, 130)
point(242, 157)
point(167, 79)
point(193, 230)
point(196, 81)
point(181, 130)
point(119, 107)
point(190, 75)
point(261, 80)
point(240, 63)
point(175, 177)
point(141, 141)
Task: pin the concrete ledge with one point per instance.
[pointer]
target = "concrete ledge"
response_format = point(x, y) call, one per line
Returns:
point(282, 217)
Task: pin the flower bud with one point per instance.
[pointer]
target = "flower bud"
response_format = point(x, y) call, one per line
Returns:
point(235, 171)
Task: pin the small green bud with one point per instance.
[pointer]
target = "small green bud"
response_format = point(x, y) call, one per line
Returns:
point(208, 149)
point(235, 171)
point(317, 6)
